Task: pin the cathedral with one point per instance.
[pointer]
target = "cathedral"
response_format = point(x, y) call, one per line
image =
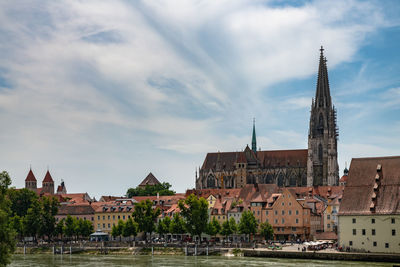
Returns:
point(314, 166)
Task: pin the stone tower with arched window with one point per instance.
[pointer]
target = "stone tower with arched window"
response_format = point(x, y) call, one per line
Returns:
point(322, 166)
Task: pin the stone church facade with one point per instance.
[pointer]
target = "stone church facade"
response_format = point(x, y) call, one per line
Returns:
point(314, 166)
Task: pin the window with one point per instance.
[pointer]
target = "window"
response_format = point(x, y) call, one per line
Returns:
point(254, 212)
point(373, 232)
point(98, 226)
point(84, 218)
point(258, 212)
point(290, 212)
point(354, 231)
point(104, 225)
point(374, 244)
point(328, 217)
point(283, 212)
point(113, 217)
point(393, 222)
point(350, 243)
point(386, 245)
point(283, 203)
point(297, 212)
point(290, 203)
point(109, 226)
point(372, 220)
point(363, 231)
point(354, 220)
point(266, 213)
point(329, 225)
point(92, 218)
point(98, 217)
point(123, 217)
point(297, 220)
point(108, 216)
point(294, 229)
point(283, 220)
point(393, 232)
point(119, 217)
point(276, 212)
point(104, 217)
point(276, 220)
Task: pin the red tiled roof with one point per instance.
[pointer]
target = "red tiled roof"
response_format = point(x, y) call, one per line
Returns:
point(30, 177)
point(75, 210)
point(266, 158)
point(343, 179)
point(369, 191)
point(48, 178)
point(149, 180)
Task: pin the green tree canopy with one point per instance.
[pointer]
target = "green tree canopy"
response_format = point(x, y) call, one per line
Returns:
point(151, 190)
point(164, 226)
point(177, 225)
point(130, 228)
point(213, 227)
point(70, 226)
point(266, 231)
point(33, 220)
point(145, 215)
point(226, 229)
point(49, 209)
point(21, 200)
point(233, 225)
point(195, 212)
point(248, 223)
point(7, 233)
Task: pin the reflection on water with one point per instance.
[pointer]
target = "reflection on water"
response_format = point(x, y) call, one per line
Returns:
point(131, 260)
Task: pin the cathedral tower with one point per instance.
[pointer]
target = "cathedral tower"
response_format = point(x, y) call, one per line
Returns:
point(322, 166)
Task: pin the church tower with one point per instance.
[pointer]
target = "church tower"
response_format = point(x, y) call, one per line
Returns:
point(253, 138)
point(322, 166)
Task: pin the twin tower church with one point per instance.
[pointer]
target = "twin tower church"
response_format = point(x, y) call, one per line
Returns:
point(314, 166)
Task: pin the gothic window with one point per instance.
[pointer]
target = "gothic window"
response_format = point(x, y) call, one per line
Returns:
point(320, 154)
point(280, 180)
point(210, 181)
point(269, 179)
point(321, 124)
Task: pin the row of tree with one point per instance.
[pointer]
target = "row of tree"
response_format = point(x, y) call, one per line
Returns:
point(74, 228)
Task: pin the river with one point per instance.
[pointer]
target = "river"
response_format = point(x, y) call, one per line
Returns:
point(175, 261)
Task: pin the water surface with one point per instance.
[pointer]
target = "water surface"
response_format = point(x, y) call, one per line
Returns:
point(175, 261)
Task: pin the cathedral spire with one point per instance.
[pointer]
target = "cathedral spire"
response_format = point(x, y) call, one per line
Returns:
point(253, 139)
point(322, 95)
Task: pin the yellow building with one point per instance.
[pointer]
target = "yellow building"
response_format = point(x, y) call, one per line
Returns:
point(369, 216)
point(108, 214)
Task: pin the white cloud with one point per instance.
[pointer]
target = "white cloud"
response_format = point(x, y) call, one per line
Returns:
point(100, 86)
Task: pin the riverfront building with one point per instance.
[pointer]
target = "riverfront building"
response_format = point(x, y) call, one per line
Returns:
point(369, 216)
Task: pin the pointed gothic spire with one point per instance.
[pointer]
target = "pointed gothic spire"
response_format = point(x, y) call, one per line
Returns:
point(253, 139)
point(322, 95)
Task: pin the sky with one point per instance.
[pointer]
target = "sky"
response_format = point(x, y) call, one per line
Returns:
point(103, 92)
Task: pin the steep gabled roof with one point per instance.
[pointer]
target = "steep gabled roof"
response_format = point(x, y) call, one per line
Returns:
point(30, 177)
point(373, 187)
point(149, 180)
point(48, 178)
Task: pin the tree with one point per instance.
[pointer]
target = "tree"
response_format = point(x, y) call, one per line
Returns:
point(130, 229)
point(70, 226)
point(161, 228)
point(114, 231)
point(33, 220)
point(248, 223)
point(7, 233)
point(226, 229)
point(146, 216)
point(49, 208)
point(266, 231)
point(120, 228)
point(195, 212)
point(177, 225)
point(17, 225)
point(213, 227)
point(151, 190)
point(84, 228)
point(233, 225)
point(21, 200)
point(59, 231)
